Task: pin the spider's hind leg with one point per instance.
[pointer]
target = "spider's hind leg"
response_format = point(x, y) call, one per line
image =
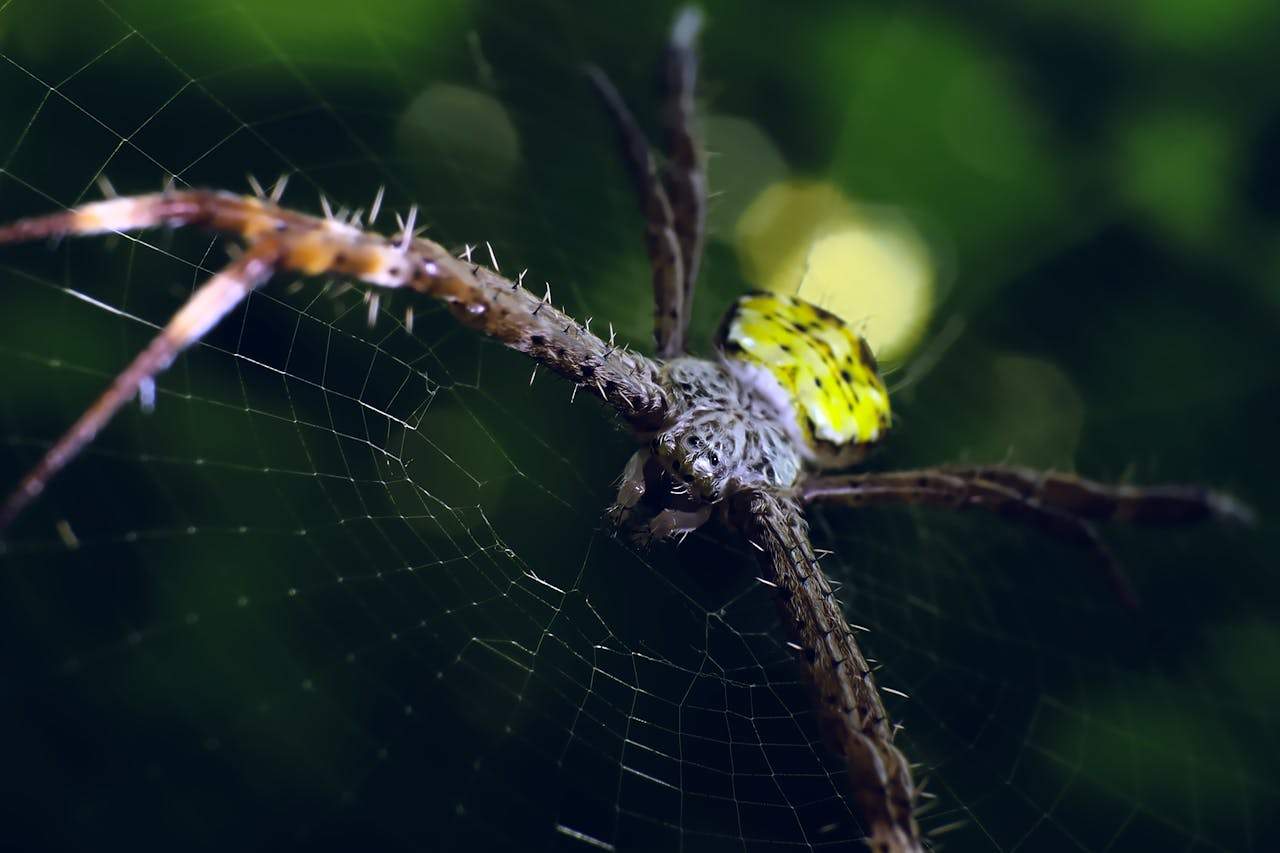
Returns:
point(1080, 533)
point(685, 176)
point(1064, 505)
point(660, 236)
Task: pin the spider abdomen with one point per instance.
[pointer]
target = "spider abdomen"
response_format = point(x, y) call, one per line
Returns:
point(820, 373)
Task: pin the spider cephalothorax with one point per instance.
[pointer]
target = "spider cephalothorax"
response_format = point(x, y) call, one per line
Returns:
point(722, 436)
point(791, 388)
point(792, 385)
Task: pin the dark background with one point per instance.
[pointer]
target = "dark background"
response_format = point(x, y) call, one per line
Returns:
point(351, 587)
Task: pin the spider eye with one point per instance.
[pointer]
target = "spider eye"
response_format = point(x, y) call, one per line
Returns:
point(714, 459)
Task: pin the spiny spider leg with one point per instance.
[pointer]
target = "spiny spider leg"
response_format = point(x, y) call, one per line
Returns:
point(281, 240)
point(208, 305)
point(685, 179)
point(852, 717)
point(1153, 505)
point(1061, 504)
point(1066, 493)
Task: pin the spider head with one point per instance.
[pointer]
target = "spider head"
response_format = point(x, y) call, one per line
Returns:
point(700, 454)
point(814, 367)
point(723, 439)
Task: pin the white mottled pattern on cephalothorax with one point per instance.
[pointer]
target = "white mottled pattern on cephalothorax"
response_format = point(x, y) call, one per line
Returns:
point(724, 436)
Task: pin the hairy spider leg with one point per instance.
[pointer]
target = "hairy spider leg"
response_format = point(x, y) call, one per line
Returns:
point(280, 240)
point(1061, 504)
point(1146, 505)
point(852, 716)
point(1065, 493)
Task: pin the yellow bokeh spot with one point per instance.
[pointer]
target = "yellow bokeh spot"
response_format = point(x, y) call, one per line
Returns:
point(867, 266)
point(775, 232)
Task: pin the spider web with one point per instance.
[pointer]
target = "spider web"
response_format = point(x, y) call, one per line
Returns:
point(351, 585)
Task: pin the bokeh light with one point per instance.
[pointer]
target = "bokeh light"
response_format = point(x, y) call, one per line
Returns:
point(868, 266)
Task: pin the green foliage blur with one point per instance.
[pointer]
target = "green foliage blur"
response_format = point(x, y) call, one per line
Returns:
point(275, 616)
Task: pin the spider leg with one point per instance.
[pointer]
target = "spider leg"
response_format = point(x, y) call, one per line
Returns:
point(1061, 504)
point(669, 279)
point(209, 304)
point(281, 240)
point(850, 709)
point(996, 486)
point(672, 522)
point(1081, 533)
point(1148, 505)
point(684, 175)
point(631, 488)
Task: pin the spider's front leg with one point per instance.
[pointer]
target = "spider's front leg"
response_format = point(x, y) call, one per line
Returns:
point(853, 717)
point(203, 310)
point(280, 240)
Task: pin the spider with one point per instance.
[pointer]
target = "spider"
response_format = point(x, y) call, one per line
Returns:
point(742, 437)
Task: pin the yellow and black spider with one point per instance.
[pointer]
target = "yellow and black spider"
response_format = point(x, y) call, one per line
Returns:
point(791, 391)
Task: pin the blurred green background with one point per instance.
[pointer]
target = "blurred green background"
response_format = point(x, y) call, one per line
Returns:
point(351, 587)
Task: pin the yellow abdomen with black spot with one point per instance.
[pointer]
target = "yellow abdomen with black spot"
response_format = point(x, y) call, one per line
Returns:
point(823, 368)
